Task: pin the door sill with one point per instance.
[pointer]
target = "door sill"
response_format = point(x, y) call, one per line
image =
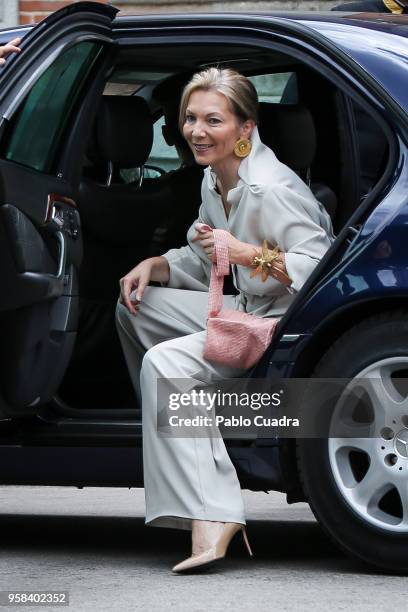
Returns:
point(61, 408)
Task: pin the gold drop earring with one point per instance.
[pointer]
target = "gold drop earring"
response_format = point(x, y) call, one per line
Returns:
point(242, 147)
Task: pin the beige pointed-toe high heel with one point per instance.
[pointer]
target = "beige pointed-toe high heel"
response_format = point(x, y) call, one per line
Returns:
point(215, 553)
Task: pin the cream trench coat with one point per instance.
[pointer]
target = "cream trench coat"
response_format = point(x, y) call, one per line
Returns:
point(269, 202)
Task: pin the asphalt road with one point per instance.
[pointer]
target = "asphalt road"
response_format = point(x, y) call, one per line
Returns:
point(93, 543)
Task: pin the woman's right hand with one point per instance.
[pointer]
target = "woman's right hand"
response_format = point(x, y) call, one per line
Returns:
point(138, 278)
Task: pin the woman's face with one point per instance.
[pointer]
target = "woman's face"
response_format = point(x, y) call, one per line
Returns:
point(212, 129)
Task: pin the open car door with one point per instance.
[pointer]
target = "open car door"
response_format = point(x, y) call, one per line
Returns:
point(42, 93)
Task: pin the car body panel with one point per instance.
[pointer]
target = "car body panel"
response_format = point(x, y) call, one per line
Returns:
point(381, 51)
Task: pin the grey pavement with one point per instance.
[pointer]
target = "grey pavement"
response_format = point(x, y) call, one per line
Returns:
point(94, 544)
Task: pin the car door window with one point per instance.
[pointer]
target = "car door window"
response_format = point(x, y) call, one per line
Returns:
point(162, 158)
point(161, 155)
point(37, 129)
point(279, 88)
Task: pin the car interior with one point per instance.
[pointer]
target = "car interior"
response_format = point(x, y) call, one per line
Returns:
point(138, 194)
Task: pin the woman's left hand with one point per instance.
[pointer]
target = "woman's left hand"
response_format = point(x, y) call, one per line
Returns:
point(238, 252)
point(241, 253)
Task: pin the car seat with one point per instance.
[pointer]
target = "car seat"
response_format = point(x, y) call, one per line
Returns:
point(289, 130)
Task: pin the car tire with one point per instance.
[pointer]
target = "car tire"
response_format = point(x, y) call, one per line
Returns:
point(365, 514)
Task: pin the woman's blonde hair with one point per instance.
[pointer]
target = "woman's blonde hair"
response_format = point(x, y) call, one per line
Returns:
point(239, 91)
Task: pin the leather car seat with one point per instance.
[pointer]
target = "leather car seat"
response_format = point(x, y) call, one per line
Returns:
point(118, 221)
point(289, 130)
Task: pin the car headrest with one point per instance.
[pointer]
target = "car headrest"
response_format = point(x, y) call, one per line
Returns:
point(289, 130)
point(124, 131)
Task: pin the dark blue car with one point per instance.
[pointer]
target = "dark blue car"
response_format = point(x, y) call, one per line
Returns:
point(89, 188)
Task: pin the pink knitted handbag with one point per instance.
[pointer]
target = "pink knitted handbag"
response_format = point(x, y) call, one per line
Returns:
point(234, 338)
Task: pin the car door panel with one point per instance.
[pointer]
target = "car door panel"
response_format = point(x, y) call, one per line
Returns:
point(29, 272)
point(40, 236)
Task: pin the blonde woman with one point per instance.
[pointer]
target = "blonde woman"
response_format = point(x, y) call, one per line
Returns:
point(191, 483)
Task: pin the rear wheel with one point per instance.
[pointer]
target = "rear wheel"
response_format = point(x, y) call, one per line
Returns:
point(358, 487)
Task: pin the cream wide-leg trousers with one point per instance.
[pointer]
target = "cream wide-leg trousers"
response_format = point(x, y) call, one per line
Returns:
point(191, 477)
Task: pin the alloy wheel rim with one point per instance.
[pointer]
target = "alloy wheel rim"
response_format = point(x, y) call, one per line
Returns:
point(371, 473)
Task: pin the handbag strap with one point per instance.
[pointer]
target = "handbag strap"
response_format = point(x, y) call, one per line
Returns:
point(219, 269)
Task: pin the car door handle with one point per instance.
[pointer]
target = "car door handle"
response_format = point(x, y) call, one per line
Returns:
point(62, 257)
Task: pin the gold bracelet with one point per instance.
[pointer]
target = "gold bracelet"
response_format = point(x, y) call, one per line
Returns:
point(262, 261)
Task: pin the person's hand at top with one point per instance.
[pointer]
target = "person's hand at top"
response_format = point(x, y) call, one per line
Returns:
point(10, 47)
